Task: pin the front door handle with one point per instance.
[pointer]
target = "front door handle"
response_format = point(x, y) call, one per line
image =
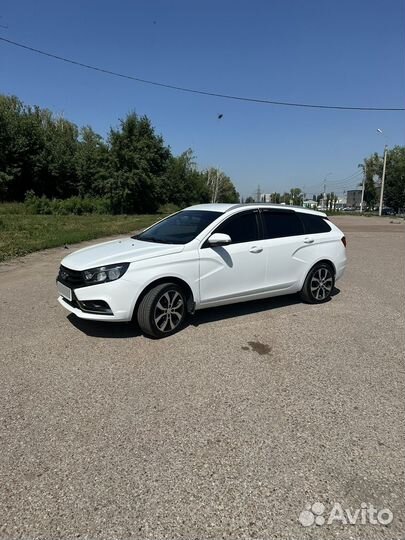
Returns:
point(255, 249)
point(309, 240)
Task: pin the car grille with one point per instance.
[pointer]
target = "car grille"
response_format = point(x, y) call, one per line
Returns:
point(71, 278)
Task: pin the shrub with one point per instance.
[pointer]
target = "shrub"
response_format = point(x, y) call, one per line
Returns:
point(168, 208)
point(64, 207)
point(37, 205)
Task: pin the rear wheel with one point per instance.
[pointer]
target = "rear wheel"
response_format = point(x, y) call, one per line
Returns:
point(319, 284)
point(162, 310)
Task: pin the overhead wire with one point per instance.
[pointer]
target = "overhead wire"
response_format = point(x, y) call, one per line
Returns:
point(194, 90)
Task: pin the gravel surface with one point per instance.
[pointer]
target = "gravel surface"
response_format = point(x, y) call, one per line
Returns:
point(225, 430)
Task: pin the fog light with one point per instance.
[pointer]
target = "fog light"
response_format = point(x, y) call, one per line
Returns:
point(96, 306)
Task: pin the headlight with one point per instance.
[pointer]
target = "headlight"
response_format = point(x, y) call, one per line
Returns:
point(102, 274)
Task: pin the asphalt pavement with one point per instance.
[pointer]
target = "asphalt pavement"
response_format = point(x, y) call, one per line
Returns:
point(232, 428)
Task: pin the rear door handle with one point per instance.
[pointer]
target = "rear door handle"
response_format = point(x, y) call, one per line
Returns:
point(255, 249)
point(309, 240)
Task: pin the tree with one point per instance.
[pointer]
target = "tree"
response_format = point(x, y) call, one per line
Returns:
point(331, 200)
point(185, 185)
point(37, 151)
point(46, 155)
point(228, 193)
point(372, 167)
point(220, 187)
point(296, 195)
point(249, 200)
point(286, 198)
point(21, 141)
point(276, 198)
point(91, 163)
point(139, 162)
point(5, 180)
point(215, 180)
point(55, 169)
point(394, 189)
point(9, 163)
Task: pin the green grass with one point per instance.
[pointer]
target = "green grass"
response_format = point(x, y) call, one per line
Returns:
point(12, 208)
point(21, 234)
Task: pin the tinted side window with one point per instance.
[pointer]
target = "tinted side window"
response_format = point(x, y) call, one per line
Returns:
point(241, 228)
point(281, 224)
point(314, 224)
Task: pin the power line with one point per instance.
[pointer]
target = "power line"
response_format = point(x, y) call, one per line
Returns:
point(193, 90)
point(336, 183)
point(356, 173)
point(351, 181)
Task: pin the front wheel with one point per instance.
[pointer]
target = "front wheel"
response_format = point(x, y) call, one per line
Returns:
point(162, 310)
point(319, 284)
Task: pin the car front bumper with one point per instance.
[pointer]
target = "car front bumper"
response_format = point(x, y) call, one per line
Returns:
point(120, 296)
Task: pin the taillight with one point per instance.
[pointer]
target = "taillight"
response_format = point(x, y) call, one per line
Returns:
point(343, 240)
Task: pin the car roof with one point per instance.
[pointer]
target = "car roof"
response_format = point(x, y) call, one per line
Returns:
point(211, 207)
point(222, 207)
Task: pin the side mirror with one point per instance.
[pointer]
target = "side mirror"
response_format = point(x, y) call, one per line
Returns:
point(219, 239)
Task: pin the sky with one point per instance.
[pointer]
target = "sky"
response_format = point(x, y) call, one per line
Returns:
point(341, 52)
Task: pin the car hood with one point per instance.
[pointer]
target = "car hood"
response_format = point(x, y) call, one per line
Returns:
point(117, 251)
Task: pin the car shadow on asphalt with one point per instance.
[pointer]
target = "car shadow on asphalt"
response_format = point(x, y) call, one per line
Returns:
point(241, 309)
point(104, 329)
point(230, 311)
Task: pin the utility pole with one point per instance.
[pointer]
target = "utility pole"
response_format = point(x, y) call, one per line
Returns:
point(382, 181)
point(362, 189)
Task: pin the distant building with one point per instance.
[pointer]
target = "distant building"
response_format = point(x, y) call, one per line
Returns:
point(313, 205)
point(353, 198)
point(341, 203)
point(266, 197)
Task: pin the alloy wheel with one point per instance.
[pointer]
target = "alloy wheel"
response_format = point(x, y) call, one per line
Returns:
point(169, 311)
point(321, 283)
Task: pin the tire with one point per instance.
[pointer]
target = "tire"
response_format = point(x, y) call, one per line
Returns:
point(162, 310)
point(318, 284)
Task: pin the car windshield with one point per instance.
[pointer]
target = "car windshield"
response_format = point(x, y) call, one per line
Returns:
point(180, 228)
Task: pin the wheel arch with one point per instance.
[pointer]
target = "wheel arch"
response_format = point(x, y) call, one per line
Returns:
point(168, 279)
point(328, 262)
point(324, 261)
point(306, 291)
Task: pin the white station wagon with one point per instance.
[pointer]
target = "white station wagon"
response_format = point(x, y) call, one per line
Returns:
point(206, 255)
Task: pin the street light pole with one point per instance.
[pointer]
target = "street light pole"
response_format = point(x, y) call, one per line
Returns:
point(324, 190)
point(382, 181)
point(362, 189)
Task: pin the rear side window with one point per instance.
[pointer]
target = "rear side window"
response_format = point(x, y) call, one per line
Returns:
point(241, 228)
point(314, 224)
point(281, 224)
